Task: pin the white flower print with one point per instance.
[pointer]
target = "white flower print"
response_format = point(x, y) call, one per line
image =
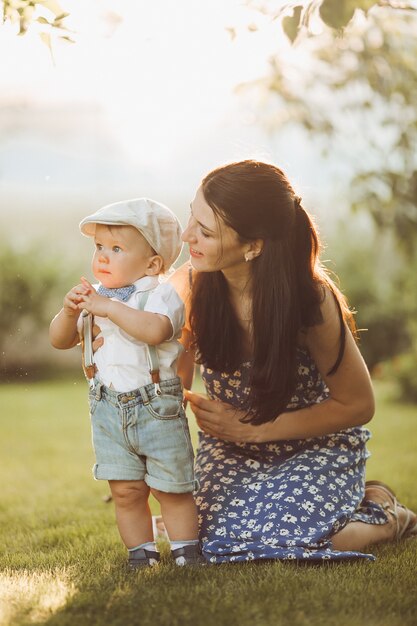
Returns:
point(308, 506)
point(246, 534)
point(288, 494)
point(237, 502)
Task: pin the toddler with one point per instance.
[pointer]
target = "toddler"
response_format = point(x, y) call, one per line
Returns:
point(140, 431)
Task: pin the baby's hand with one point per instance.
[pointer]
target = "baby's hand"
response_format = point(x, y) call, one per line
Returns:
point(92, 302)
point(73, 298)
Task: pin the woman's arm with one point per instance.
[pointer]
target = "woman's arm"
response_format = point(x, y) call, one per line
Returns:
point(181, 281)
point(186, 364)
point(351, 400)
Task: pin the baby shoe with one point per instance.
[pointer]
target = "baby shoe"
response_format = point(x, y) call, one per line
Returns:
point(142, 557)
point(189, 554)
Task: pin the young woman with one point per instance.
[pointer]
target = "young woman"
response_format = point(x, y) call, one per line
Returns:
point(282, 453)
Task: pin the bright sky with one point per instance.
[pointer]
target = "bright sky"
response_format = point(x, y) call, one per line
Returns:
point(162, 71)
point(143, 103)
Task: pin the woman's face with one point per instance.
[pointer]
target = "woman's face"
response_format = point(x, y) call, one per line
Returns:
point(213, 245)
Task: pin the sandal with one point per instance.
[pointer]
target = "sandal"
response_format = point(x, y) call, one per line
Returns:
point(189, 555)
point(142, 557)
point(406, 527)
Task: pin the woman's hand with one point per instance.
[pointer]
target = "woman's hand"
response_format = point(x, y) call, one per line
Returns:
point(221, 420)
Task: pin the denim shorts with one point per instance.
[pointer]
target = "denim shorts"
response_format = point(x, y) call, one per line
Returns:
point(143, 435)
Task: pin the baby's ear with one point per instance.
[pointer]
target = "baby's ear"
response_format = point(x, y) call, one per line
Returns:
point(155, 265)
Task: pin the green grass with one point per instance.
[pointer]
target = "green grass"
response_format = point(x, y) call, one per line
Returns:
point(62, 562)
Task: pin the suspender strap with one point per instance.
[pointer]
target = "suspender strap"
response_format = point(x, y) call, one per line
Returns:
point(87, 346)
point(87, 351)
point(152, 351)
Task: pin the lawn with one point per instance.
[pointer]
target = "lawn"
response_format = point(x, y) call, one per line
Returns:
point(62, 563)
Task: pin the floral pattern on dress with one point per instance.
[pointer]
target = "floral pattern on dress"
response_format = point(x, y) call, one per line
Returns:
point(285, 499)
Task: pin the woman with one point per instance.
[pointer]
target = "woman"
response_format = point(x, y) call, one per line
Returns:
point(282, 453)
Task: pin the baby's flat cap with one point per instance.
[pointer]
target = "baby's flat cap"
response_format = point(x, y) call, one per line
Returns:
point(158, 224)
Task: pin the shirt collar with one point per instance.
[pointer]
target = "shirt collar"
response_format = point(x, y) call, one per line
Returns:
point(146, 283)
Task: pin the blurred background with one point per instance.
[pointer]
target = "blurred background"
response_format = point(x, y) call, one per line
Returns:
point(101, 101)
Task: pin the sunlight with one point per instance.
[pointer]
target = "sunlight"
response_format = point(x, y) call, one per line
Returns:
point(35, 596)
point(161, 73)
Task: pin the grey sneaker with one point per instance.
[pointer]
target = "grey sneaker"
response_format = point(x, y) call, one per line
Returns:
point(141, 557)
point(189, 555)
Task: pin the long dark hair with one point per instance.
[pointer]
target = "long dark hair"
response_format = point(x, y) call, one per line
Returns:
point(258, 202)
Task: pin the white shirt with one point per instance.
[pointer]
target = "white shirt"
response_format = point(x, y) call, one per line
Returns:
point(122, 361)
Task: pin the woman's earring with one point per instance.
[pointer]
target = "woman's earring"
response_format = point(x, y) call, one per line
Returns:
point(247, 257)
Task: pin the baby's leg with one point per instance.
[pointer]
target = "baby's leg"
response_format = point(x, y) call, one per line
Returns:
point(133, 516)
point(179, 513)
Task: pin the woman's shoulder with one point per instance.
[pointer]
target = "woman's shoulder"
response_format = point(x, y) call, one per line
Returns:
point(182, 280)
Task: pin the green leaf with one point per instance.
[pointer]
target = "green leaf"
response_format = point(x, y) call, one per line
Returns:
point(337, 13)
point(291, 24)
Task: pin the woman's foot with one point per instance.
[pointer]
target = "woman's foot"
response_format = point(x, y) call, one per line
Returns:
point(402, 520)
point(158, 527)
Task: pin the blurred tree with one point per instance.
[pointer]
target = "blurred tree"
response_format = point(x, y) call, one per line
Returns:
point(363, 86)
point(357, 94)
point(374, 283)
point(303, 17)
point(29, 283)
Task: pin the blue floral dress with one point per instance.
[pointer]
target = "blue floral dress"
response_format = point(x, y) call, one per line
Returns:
point(285, 499)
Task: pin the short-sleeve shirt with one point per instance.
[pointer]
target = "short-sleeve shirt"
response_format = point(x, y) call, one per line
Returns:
point(122, 362)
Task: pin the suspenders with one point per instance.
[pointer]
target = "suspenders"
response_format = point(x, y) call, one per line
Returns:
point(87, 349)
point(153, 358)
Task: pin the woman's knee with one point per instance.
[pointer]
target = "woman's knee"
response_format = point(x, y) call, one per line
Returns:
point(127, 493)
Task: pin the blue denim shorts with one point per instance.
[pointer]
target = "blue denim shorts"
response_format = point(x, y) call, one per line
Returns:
point(143, 435)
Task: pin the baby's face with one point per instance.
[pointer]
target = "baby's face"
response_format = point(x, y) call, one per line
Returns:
point(121, 256)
